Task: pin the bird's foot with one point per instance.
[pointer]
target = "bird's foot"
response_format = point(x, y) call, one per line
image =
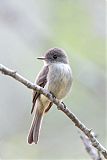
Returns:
point(53, 95)
point(64, 105)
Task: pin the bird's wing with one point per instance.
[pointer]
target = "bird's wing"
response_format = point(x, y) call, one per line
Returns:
point(41, 81)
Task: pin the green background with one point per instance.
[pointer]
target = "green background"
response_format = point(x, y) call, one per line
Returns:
point(27, 29)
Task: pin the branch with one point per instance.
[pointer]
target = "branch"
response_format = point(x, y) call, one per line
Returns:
point(93, 152)
point(61, 106)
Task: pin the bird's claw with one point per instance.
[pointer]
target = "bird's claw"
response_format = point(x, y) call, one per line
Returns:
point(64, 105)
point(53, 95)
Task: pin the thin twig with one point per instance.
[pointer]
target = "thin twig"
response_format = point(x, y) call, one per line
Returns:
point(61, 106)
point(92, 151)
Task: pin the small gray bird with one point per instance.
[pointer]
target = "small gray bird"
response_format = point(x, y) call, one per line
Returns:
point(56, 77)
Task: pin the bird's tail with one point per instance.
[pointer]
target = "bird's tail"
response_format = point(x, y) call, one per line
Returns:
point(35, 127)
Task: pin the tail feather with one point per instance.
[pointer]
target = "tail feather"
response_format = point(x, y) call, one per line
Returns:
point(35, 127)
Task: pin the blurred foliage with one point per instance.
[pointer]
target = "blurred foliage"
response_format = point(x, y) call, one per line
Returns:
point(27, 29)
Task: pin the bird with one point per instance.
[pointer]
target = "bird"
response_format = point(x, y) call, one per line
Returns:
point(56, 77)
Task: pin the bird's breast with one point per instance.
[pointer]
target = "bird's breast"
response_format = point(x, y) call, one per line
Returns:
point(59, 79)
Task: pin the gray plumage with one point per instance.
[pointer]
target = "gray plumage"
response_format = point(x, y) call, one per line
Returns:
point(56, 77)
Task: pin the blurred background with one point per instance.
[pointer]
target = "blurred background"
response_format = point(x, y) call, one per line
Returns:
point(27, 29)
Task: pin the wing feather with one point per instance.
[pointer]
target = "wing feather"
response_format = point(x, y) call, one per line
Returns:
point(41, 81)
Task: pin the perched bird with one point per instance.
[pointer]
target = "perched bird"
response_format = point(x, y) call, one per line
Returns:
point(56, 77)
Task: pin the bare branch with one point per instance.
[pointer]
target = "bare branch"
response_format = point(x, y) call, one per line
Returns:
point(61, 106)
point(92, 151)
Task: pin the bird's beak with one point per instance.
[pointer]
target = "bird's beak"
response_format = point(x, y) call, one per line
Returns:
point(41, 58)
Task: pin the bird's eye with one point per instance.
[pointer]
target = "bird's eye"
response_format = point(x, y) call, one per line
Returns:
point(55, 56)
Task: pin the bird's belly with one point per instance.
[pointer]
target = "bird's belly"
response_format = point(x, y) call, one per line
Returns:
point(60, 81)
point(59, 89)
